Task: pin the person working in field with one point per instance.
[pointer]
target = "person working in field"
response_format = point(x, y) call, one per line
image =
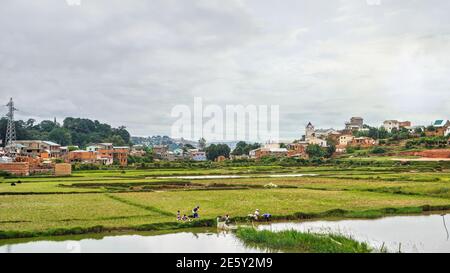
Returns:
point(195, 212)
point(256, 214)
point(267, 216)
point(185, 218)
point(178, 216)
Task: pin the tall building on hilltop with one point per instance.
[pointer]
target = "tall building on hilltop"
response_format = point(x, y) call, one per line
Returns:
point(309, 131)
point(356, 123)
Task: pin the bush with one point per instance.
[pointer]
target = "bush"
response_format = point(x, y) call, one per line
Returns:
point(4, 174)
point(85, 167)
point(378, 150)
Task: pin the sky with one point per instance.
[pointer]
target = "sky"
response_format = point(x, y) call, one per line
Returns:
point(130, 62)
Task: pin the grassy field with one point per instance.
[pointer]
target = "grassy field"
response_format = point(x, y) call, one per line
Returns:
point(295, 241)
point(95, 201)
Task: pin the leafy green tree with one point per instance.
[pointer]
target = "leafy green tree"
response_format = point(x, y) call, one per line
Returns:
point(72, 148)
point(213, 151)
point(61, 136)
point(378, 150)
point(202, 144)
point(330, 150)
point(243, 148)
point(74, 131)
point(314, 150)
point(116, 140)
point(47, 125)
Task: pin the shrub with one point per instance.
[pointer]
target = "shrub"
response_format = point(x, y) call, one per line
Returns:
point(378, 150)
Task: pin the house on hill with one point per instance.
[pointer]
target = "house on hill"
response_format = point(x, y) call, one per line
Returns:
point(272, 149)
point(35, 148)
point(355, 124)
point(442, 127)
point(392, 124)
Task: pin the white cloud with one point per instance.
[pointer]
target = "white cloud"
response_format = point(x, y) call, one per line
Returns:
point(131, 62)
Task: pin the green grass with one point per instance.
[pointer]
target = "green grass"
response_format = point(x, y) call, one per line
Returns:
point(136, 200)
point(295, 241)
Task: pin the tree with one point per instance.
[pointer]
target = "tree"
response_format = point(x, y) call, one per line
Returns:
point(378, 150)
point(72, 148)
point(61, 136)
point(213, 151)
point(30, 123)
point(123, 133)
point(116, 140)
point(331, 149)
point(74, 131)
point(47, 125)
point(243, 148)
point(314, 150)
point(187, 147)
point(202, 144)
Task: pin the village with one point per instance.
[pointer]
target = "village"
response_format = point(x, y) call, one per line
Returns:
point(27, 157)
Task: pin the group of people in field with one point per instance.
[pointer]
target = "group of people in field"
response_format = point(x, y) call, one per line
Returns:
point(194, 215)
point(256, 216)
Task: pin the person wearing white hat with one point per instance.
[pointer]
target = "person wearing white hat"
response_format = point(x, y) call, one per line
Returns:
point(256, 215)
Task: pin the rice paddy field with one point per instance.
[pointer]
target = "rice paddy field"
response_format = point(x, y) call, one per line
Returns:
point(116, 200)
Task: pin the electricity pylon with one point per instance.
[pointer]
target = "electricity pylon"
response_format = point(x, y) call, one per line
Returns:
point(10, 129)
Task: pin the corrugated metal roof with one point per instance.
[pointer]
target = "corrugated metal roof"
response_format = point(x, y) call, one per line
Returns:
point(51, 143)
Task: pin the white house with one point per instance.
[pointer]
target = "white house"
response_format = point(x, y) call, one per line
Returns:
point(317, 141)
point(441, 123)
point(344, 140)
point(389, 125)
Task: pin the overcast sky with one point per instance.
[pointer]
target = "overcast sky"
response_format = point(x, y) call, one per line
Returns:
point(129, 62)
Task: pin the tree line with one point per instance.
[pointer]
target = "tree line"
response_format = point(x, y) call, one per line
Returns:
point(72, 132)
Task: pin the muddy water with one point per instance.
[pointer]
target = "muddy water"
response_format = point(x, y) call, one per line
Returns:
point(421, 233)
point(185, 242)
point(424, 233)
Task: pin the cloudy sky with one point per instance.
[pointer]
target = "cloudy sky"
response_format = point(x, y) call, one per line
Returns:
point(130, 62)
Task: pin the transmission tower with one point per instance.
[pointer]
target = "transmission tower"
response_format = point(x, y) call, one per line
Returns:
point(10, 129)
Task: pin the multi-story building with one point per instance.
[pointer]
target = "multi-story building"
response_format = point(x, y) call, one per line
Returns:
point(104, 151)
point(41, 148)
point(82, 156)
point(137, 150)
point(107, 153)
point(297, 150)
point(160, 151)
point(317, 141)
point(309, 131)
point(355, 124)
point(345, 140)
point(391, 124)
point(120, 154)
